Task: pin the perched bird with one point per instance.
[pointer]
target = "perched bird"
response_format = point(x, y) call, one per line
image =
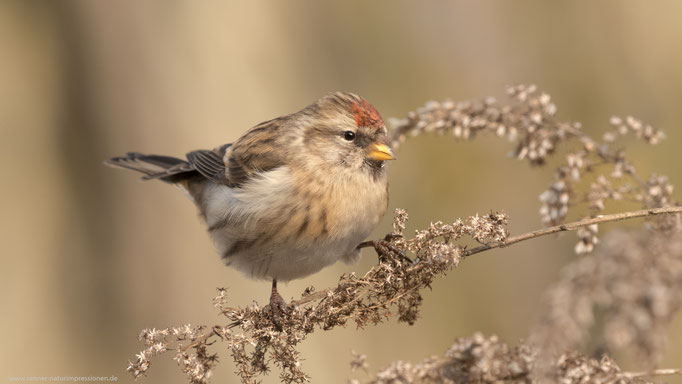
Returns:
point(293, 194)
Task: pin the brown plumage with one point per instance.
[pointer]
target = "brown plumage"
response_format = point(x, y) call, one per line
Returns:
point(293, 194)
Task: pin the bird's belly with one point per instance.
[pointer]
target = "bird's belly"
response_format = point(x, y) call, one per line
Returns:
point(296, 235)
point(292, 253)
point(301, 245)
point(285, 262)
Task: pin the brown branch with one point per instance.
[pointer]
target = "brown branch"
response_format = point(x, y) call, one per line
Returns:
point(526, 236)
point(655, 372)
point(573, 226)
point(200, 340)
point(312, 297)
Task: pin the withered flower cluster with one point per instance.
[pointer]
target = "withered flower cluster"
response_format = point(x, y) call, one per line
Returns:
point(479, 359)
point(632, 287)
point(196, 365)
point(530, 122)
point(390, 288)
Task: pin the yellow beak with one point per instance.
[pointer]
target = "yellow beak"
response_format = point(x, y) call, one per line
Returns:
point(380, 152)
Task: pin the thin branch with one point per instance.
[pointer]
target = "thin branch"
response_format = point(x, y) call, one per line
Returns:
point(655, 372)
point(573, 226)
point(312, 297)
point(526, 236)
point(200, 340)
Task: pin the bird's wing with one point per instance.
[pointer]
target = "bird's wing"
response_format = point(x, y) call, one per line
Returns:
point(234, 164)
point(255, 152)
point(209, 164)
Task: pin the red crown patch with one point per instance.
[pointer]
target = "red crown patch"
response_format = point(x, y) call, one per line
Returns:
point(365, 115)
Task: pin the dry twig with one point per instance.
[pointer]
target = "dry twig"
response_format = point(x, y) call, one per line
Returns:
point(388, 286)
point(574, 226)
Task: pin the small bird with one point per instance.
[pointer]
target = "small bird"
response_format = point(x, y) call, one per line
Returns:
point(293, 194)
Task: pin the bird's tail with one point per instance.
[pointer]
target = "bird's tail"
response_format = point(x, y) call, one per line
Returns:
point(165, 168)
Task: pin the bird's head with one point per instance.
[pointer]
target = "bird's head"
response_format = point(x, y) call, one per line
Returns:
point(344, 129)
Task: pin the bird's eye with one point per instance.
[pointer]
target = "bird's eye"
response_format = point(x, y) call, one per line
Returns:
point(349, 135)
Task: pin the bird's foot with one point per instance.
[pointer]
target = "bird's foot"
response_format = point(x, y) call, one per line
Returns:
point(278, 308)
point(386, 249)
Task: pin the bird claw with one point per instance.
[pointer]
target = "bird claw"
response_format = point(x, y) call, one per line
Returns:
point(278, 309)
point(385, 248)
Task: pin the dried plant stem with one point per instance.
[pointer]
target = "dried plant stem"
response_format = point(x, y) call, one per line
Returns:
point(527, 236)
point(655, 372)
point(200, 340)
point(573, 226)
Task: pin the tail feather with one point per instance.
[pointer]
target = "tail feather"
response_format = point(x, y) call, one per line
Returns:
point(166, 168)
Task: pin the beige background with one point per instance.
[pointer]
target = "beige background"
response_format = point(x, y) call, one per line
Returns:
point(91, 255)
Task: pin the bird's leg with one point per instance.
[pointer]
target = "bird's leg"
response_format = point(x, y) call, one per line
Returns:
point(385, 248)
point(278, 306)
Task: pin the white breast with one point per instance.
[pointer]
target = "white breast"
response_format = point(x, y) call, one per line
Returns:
point(264, 217)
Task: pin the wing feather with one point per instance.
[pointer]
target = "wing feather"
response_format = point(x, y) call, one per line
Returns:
point(209, 164)
point(235, 164)
point(255, 152)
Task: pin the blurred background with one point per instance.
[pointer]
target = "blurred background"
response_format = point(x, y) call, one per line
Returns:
point(91, 255)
